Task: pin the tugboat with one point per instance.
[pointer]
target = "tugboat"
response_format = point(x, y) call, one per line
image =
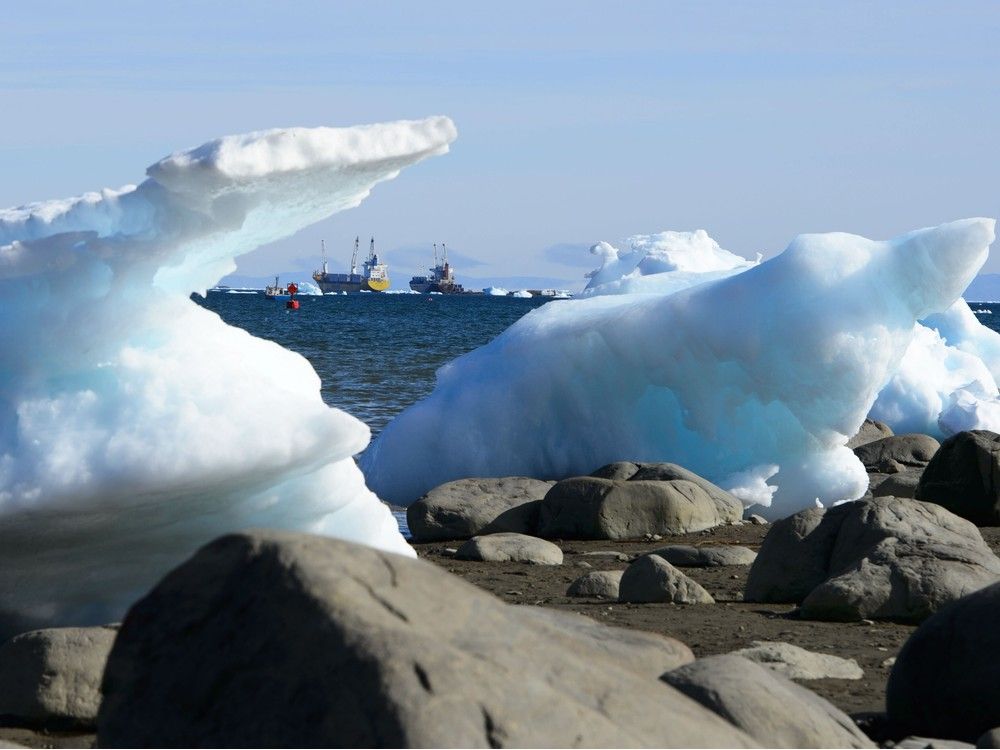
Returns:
point(442, 278)
point(374, 276)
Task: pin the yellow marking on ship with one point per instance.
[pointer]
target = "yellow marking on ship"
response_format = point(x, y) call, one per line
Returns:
point(378, 285)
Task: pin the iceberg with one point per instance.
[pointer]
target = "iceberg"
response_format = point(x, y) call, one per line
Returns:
point(136, 425)
point(495, 291)
point(662, 264)
point(755, 380)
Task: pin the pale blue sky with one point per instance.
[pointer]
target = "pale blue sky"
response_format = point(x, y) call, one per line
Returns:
point(577, 122)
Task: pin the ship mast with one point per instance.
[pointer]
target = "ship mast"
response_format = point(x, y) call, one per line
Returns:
point(371, 250)
point(354, 258)
point(322, 244)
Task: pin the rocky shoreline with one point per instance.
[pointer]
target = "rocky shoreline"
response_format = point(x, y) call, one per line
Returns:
point(651, 613)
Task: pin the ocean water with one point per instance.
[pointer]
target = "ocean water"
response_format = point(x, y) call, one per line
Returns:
point(376, 354)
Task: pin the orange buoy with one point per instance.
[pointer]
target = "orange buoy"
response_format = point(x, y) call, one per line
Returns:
point(292, 304)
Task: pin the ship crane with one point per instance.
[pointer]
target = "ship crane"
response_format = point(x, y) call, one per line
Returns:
point(354, 258)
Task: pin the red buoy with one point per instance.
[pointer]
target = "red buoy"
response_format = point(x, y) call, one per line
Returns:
point(292, 304)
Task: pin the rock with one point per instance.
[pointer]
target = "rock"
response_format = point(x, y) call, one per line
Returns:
point(902, 484)
point(891, 455)
point(269, 639)
point(797, 663)
point(871, 430)
point(656, 499)
point(53, 676)
point(622, 470)
point(930, 743)
point(653, 579)
point(708, 556)
point(883, 558)
point(964, 477)
point(773, 710)
point(990, 739)
point(946, 680)
point(757, 520)
point(602, 583)
point(510, 548)
point(466, 507)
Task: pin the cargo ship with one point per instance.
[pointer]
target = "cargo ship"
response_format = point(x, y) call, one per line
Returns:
point(374, 276)
point(442, 278)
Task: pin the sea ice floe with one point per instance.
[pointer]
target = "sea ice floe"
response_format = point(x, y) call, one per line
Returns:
point(775, 365)
point(136, 425)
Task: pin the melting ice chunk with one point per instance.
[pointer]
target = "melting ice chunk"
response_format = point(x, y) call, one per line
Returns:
point(134, 424)
point(775, 365)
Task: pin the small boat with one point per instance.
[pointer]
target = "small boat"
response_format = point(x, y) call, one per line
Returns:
point(277, 292)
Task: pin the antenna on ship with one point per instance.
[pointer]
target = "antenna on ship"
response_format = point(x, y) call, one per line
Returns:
point(322, 244)
point(354, 258)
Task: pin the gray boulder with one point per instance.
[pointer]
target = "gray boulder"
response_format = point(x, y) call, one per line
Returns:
point(53, 676)
point(870, 431)
point(931, 743)
point(797, 663)
point(467, 507)
point(276, 639)
point(964, 477)
point(510, 548)
point(881, 558)
point(990, 739)
point(655, 499)
point(897, 453)
point(707, 556)
point(653, 579)
point(597, 583)
point(946, 679)
point(903, 484)
point(773, 710)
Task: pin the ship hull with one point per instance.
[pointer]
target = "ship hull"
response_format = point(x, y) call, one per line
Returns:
point(426, 287)
point(343, 282)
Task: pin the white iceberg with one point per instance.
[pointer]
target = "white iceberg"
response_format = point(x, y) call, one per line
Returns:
point(775, 366)
point(662, 264)
point(522, 294)
point(495, 291)
point(136, 425)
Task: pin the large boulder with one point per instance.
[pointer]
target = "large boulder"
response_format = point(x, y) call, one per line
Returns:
point(653, 579)
point(510, 548)
point(897, 453)
point(870, 431)
point(654, 499)
point(277, 639)
point(797, 663)
point(964, 477)
point(53, 677)
point(706, 556)
point(773, 710)
point(946, 679)
point(467, 507)
point(881, 558)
